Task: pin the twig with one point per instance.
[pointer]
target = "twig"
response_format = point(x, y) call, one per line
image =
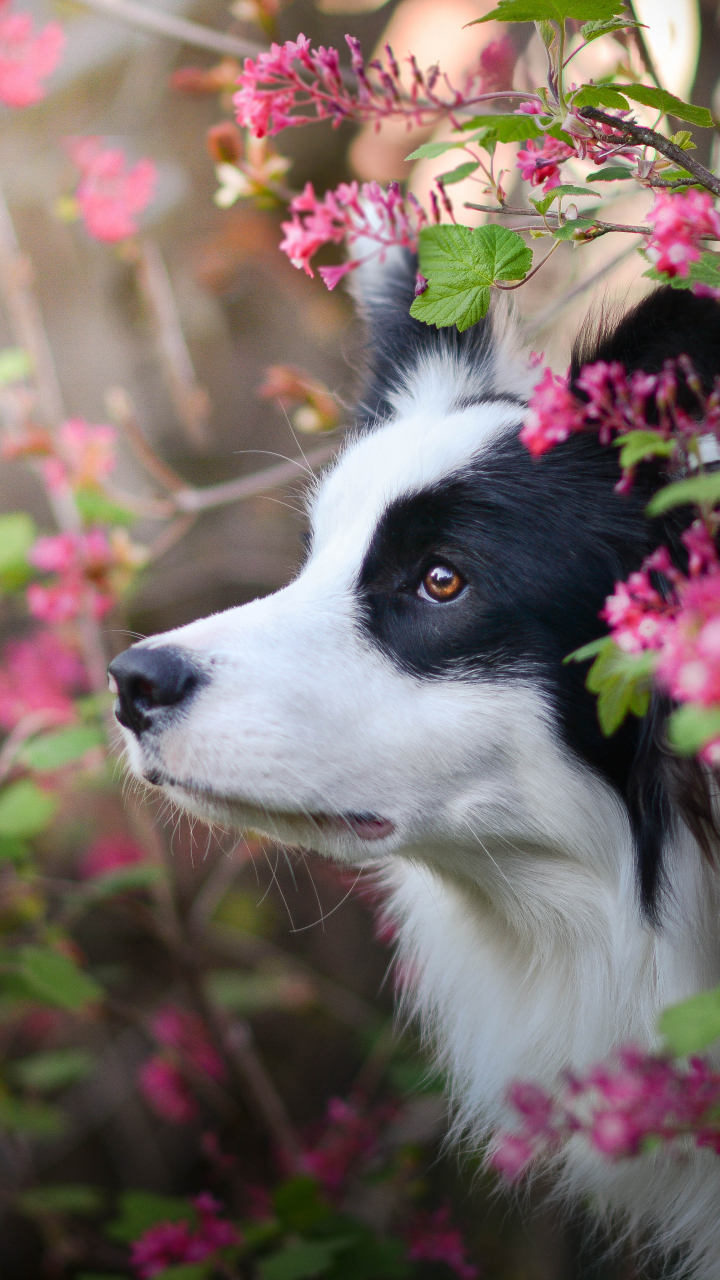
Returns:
point(167, 24)
point(638, 134)
point(190, 399)
point(122, 410)
point(30, 724)
point(217, 495)
point(530, 274)
point(239, 1040)
point(171, 535)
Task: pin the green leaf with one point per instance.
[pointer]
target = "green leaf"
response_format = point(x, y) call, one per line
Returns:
point(35, 1119)
point(590, 650)
point(565, 189)
point(53, 1069)
point(461, 264)
point(249, 992)
point(188, 1271)
point(55, 978)
point(25, 810)
point(431, 150)
point(690, 727)
point(611, 173)
point(300, 1205)
point(15, 365)
point(693, 1025)
point(593, 30)
point(13, 850)
point(596, 95)
point(705, 271)
point(457, 175)
point(140, 1210)
point(95, 508)
point(17, 535)
point(552, 10)
point(503, 128)
point(667, 102)
point(569, 229)
point(638, 445)
point(53, 750)
point(622, 682)
point(63, 1197)
point(683, 493)
point(302, 1260)
point(370, 1258)
point(141, 875)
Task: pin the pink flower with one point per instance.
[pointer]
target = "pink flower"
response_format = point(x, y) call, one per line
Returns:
point(173, 1243)
point(689, 666)
point(26, 58)
point(177, 1029)
point(554, 414)
point(110, 853)
point(679, 223)
point(85, 457)
point(165, 1091)
point(541, 161)
point(39, 674)
point(497, 64)
point(433, 1238)
point(615, 1134)
point(350, 1139)
point(636, 614)
point(89, 567)
point(511, 1156)
point(110, 195)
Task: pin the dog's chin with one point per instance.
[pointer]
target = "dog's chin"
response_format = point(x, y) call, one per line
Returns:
point(350, 836)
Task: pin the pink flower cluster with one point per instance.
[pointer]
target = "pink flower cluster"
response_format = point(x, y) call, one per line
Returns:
point(170, 1244)
point(619, 1106)
point(540, 162)
point(82, 562)
point(349, 1141)
point(83, 455)
point(39, 674)
point(351, 213)
point(433, 1238)
point(161, 1080)
point(679, 224)
point(110, 194)
point(26, 57)
point(111, 853)
point(294, 84)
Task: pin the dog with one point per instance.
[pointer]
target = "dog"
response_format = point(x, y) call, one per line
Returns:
point(402, 705)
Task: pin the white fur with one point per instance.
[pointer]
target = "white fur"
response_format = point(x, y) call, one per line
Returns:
point(510, 867)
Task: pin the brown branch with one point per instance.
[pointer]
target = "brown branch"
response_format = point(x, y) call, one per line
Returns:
point(122, 410)
point(641, 136)
point(217, 495)
point(167, 24)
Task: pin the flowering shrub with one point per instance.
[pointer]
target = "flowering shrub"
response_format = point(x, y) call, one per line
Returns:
point(27, 58)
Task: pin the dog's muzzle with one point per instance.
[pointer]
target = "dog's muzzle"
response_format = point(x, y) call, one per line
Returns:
point(150, 681)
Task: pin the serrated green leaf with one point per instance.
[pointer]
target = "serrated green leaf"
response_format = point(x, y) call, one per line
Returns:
point(15, 365)
point(705, 271)
point(611, 173)
point(517, 127)
point(17, 535)
point(564, 189)
point(303, 1260)
point(457, 175)
point(693, 1025)
point(622, 682)
point(568, 229)
point(54, 977)
point(63, 1197)
point(590, 650)
point(683, 493)
point(52, 1069)
point(95, 508)
point(25, 810)
point(650, 96)
point(53, 750)
point(552, 10)
point(140, 1210)
point(593, 30)
point(690, 727)
point(35, 1119)
point(596, 95)
point(461, 265)
point(431, 150)
point(638, 445)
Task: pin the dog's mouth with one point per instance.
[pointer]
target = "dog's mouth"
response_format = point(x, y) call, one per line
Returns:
point(365, 826)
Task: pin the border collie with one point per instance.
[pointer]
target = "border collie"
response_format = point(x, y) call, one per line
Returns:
point(403, 705)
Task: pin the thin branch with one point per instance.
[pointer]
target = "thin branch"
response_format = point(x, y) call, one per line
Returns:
point(167, 24)
point(122, 410)
point(640, 136)
point(240, 1043)
point(217, 495)
point(530, 274)
point(191, 401)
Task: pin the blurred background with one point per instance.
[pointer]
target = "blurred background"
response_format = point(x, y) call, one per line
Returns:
point(170, 337)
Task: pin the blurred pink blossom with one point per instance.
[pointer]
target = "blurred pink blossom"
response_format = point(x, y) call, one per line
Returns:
point(177, 1029)
point(110, 194)
point(85, 455)
point(39, 674)
point(554, 414)
point(84, 562)
point(679, 222)
point(165, 1091)
point(433, 1238)
point(497, 63)
point(173, 1243)
point(26, 58)
point(110, 853)
point(349, 1140)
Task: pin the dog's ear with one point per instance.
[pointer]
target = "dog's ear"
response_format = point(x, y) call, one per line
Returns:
point(666, 324)
point(412, 365)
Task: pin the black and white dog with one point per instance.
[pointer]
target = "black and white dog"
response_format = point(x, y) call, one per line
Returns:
point(403, 705)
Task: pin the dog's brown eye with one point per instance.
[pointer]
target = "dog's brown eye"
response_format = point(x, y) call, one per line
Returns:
point(441, 583)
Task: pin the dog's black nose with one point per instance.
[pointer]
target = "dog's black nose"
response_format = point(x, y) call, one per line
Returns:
point(151, 678)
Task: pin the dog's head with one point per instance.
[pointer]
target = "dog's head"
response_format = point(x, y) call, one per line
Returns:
point(406, 693)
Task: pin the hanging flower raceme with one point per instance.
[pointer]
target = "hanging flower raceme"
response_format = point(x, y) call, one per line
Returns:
point(172, 1244)
point(680, 222)
point(27, 57)
point(540, 162)
point(350, 213)
point(433, 1238)
point(110, 195)
point(92, 570)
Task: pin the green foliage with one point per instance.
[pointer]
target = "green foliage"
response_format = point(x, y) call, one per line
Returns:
point(431, 150)
point(593, 30)
point(502, 128)
point(25, 810)
point(457, 175)
point(304, 1259)
point(17, 535)
point(242, 911)
point(331, 1244)
point(140, 1210)
point(611, 173)
point(300, 1205)
point(553, 10)
point(32, 1119)
point(693, 1025)
point(705, 271)
point(55, 978)
point(95, 508)
point(691, 726)
point(249, 992)
point(461, 265)
point(53, 750)
point(703, 489)
point(564, 189)
point(570, 229)
point(599, 95)
point(621, 680)
point(639, 445)
point(15, 365)
point(53, 1069)
point(63, 1197)
point(188, 1271)
point(650, 96)
point(141, 875)
point(13, 850)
